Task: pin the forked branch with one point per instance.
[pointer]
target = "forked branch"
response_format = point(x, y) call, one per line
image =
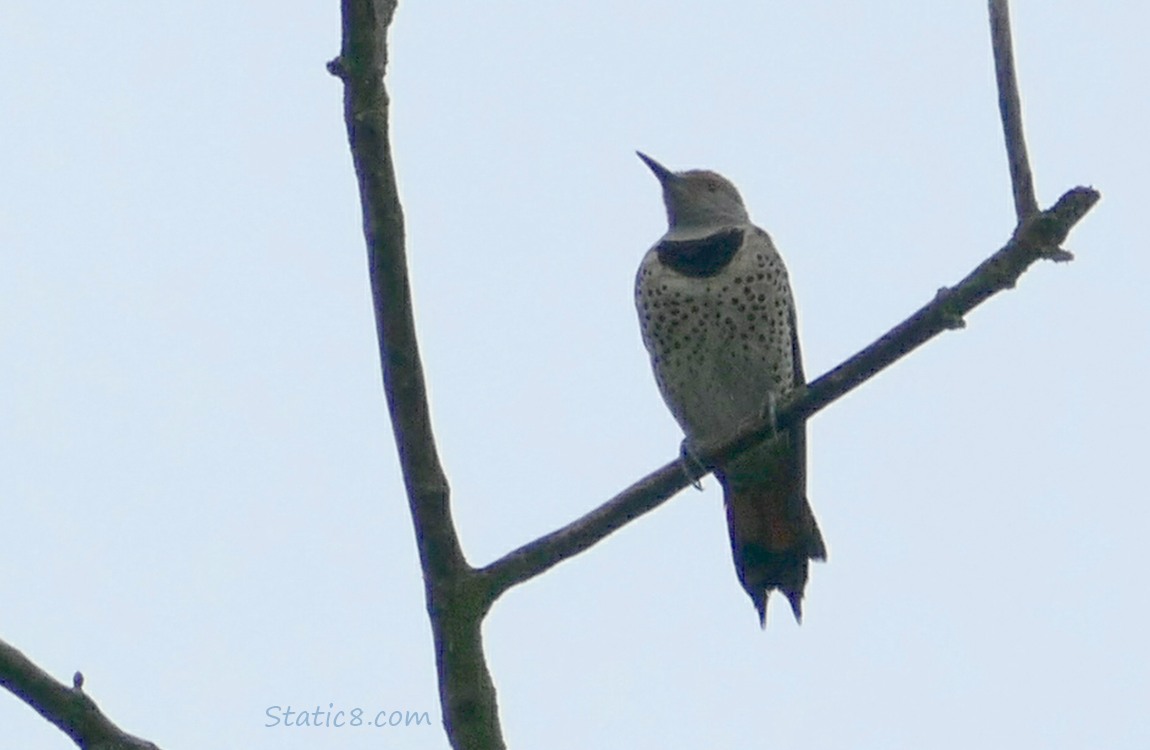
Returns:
point(1037, 235)
point(458, 596)
point(1010, 107)
point(466, 692)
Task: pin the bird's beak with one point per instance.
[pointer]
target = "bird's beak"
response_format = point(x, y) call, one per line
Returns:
point(665, 175)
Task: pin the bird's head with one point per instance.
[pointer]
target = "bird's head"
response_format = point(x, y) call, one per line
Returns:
point(699, 202)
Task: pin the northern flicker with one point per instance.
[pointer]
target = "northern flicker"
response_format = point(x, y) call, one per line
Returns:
point(718, 319)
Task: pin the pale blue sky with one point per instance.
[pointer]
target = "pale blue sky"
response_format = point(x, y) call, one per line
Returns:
point(201, 504)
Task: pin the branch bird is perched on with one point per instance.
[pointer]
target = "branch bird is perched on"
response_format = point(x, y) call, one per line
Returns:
point(718, 320)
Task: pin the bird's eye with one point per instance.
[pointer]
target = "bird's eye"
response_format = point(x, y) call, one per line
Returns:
point(712, 186)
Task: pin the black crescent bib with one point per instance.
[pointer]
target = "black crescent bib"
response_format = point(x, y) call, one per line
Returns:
point(703, 257)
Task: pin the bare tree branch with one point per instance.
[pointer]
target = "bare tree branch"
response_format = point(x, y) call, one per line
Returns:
point(1010, 107)
point(458, 596)
point(466, 692)
point(69, 708)
point(541, 555)
point(361, 67)
point(1039, 237)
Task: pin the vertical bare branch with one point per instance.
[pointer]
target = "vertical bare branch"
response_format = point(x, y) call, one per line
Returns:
point(456, 609)
point(366, 110)
point(1010, 107)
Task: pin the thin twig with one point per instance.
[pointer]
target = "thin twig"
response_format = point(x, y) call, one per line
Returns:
point(1010, 107)
point(1040, 237)
point(68, 708)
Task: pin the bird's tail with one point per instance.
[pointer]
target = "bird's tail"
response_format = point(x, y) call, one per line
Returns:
point(773, 535)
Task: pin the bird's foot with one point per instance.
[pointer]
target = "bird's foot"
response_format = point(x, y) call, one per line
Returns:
point(692, 467)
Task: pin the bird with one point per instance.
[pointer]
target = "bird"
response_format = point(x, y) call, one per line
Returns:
point(717, 317)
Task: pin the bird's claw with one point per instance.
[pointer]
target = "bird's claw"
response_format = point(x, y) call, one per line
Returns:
point(692, 467)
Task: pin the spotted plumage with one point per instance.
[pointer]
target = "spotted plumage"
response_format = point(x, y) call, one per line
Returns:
point(718, 320)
